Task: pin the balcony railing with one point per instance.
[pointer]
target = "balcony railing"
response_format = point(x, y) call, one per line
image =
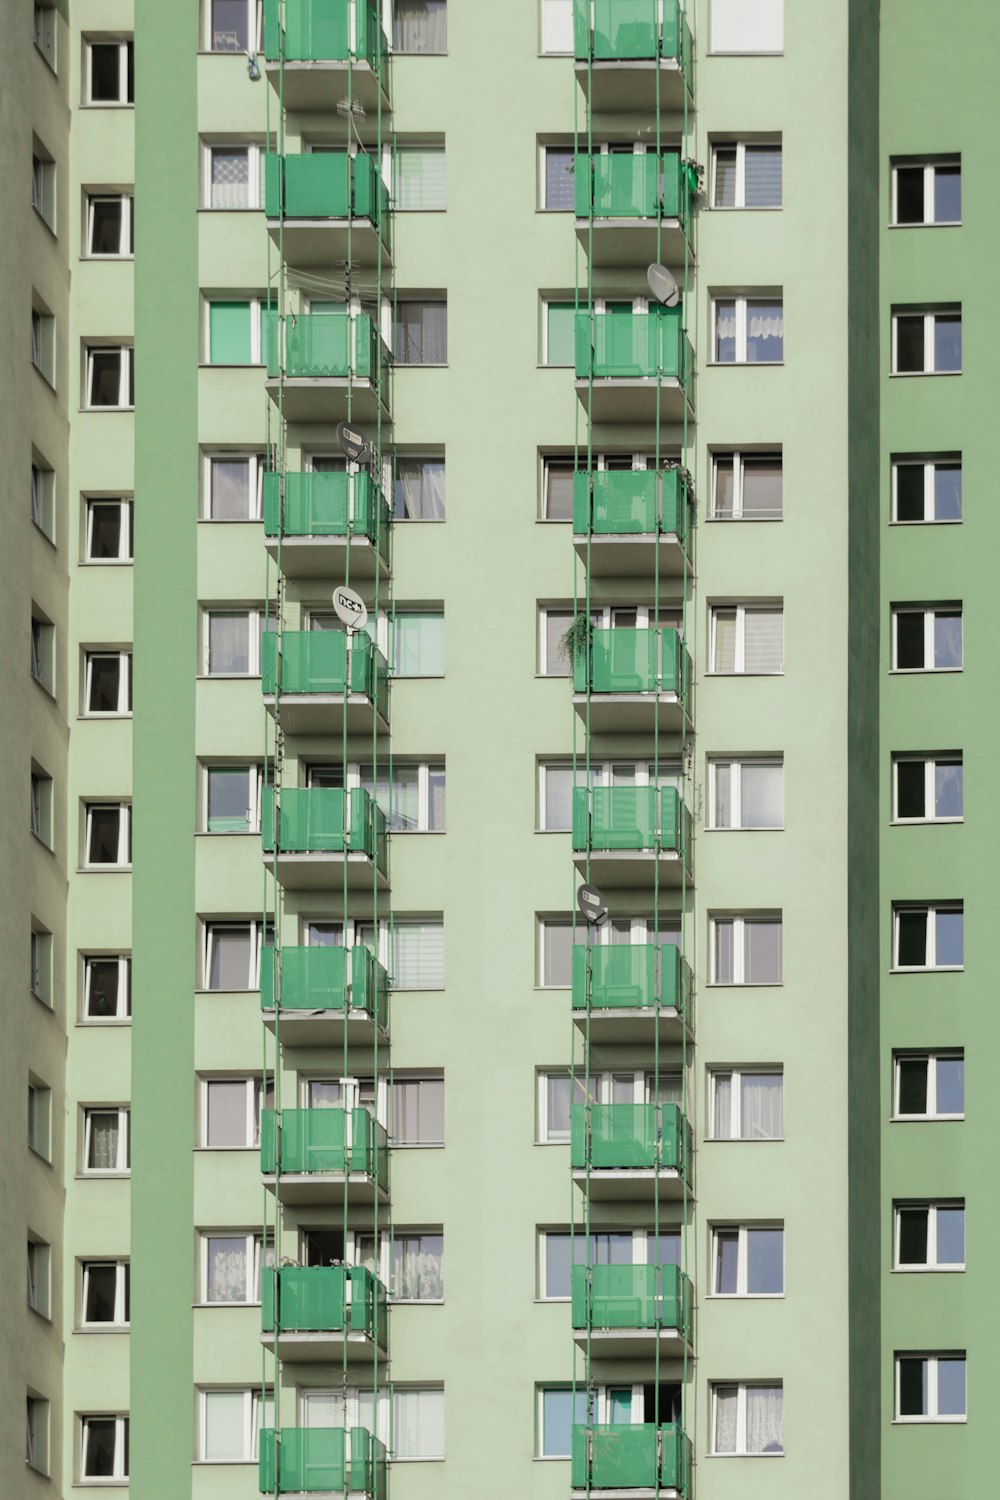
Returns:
point(649, 1297)
point(311, 1460)
point(324, 1299)
point(631, 817)
point(327, 185)
point(324, 661)
point(321, 978)
point(630, 502)
point(633, 661)
point(630, 30)
point(335, 345)
point(336, 505)
point(320, 31)
point(625, 976)
point(631, 187)
point(619, 1457)
point(328, 1141)
point(630, 1137)
point(633, 346)
point(325, 820)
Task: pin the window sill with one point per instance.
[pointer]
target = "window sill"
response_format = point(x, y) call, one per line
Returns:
point(255, 991)
point(42, 376)
point(248, 208)
point(104, 869)
point(742, 1140)
point(228, 1150)
point(229, 833)
point(921, 822)
point(924, 671)
point(105, 562)
point(104, 1330)
point(745, 984)
point(743, 364)
point(930, 969)
point(108, 104)
point(744, 1455)
point(558, 989)
point(91, 411)
point(102, 1176)
point(951, 521)
point(104, 1021)
point(221, 364)
point(239, 1306)
point(945, 224)
point(44, 842)
point(927, 1119)
point(927, 1270)
point(744, 674)
point(417, 1145)
point(106, 259)
point(229, 520)
point(745, 1297)
point(921, 374)
point(101, 718)
point(929, 1421)
point(777, 828)
point(417, 1301)
point(747, 208)
point(43, 533)
point(44, 687)
point(228, 677)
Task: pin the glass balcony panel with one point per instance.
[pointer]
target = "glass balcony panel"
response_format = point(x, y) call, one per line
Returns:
point(625, 345)
point(629, 186)
point(629, 1296)
point(319, 31)
point(325, 820)
point(633, 661)
point(620, 1456)
point(321, 1459)
point(620, 976)
point(323, 1140)
point(331, 345)
point(324, 978)
point(635, 1136)
point(630, 817)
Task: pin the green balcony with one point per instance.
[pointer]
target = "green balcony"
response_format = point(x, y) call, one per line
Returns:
point(629, 366)
point(629, 680)
point(626, 1311)
point(320, 525)
point(315, 1156)
point(632, 1460)
point(321, 1460)
point(313, 836)
point(623, 517)
point(633, 55)
point(629, 835)
point(618, 1150)
point(321, 363)
point(326, 206)
point(632, 209)
point(320, 679)
point(626, 992)
point(323, 1312)
point(309, 58)
point(312, 995)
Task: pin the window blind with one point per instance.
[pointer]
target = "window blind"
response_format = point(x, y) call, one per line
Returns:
point(418, 955)
point(763, 640)
point(229, 333)
point(420, 179)
point(761, 487)
point(557, 26)
point(747, 25)
point(762, 188)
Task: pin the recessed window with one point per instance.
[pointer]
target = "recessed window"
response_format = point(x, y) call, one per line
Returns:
point(747, 1419)
point(43, 498)
point(233, 486)
point(747, 793)
point(235, 331)
point(560, 1409)
point(927, 343)
point(929, 1086)
point(417, 1423)
point(109, 226)
point(555, 952)
point(420, 27)
point(553, 627)
point(418, 489)
point(231, 1266)
point(557, 1093)
point(233, 641)
point(746, 174)
point(43, 184)
point(558, 332)
point(41, 965)
point(45, 31)
point(746, 487)
point(230, 1112)
point(40, 1119)
point(106, 1146)
point(927, 788)
point(109, 384)
point(104, 1447)
point(557, 179)
point(926, 490)
point(412, 798)
point(930, 1388)
point(39, 1265)
point(108, 835)
point(557, 489)
point(747, 26)
point(108, 536)
point(233, 175)
point(417, 1273)
point(555, 796)
point(417, 643)
point(230, 1425)
point(559, 1251)
point(420, 331)
point(928, 937)
point(417, 1117)
point(929, 1236)
point(107, 684)
point(104, 1294)
point(419, 179)
point(747, 639)
point(43, 650)
point(232, 954)
point(748, 1260)
point(233, 797)
point(927, 192)
point(417, 953)
point(748, 330)
point(107, 987)
point(557, 28)
point(43, 344)
point(927, 638)
point(233, 25)
point(36, 1449)
point(746, 949)
point(41, 806)
point(109, 73)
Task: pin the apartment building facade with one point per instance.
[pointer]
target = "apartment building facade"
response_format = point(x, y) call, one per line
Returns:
point(406, 1158)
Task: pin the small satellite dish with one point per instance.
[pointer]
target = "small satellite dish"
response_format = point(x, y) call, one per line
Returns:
point(353, 442)
point(591, 903)
point(663, 286)
point(351, 608)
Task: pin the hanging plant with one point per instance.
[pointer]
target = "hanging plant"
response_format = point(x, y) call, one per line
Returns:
point(576, 641)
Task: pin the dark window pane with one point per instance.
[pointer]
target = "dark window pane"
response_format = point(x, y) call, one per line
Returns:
point(947, 640)
point(910, 492)
point(910, 639)
point(105, 531)
point(912, 1387)
point(947, 342)
point(910, 343)
point(105, 680)
point(105, 377)
point(913, 1086)
point(947, 492)
point(229, 26)
point(727, 1256)
point(950, 1085)
point(100, 1448)
point(102, 994)
point(947, 195)
point(103, 836)
point(911, 950)
point(100, 1295)
point(909, 195)
point(106, 234)
point(421, 333)
point(913, 1236)
point(910, 781)
point(104, 73)
point(130, 69)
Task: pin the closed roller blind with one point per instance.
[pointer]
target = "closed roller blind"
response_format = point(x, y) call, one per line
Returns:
point(761, 487)
point(762, 188)
point(229, 333)
point(418, 955)
point(747, 26)
point(764, 647)
point(420, 179)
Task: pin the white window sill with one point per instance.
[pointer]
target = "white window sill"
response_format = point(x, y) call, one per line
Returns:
point(94, 411)
point(240, 1306)
point(103, 1176)
point(921, 374)
point(924, 671)
point(557, 988)
point(104, 1328)
point(228, 1150)
point(417, 1145)
point(745, 984)
point(926, 1119)
point(106, 259)
point(220, 1463)
point(777, 828)
point(743, 1140)
point(104, 869)
point(105, 562)
point(711, 673)
point(551, 1458)
point(563, 1142)
point(437, 1459)
point(221, 364)
point(228, 677)
point(752, 519)
point(229, 520)
point(930, 969)
point(747, 208)
point(944, 224)
point(103, 718)
point(254, 991)
point(745, 1297)
point(745, 1455)
point(921, 822)
point(744, 364)
point(929, 1421)
point(553, 830)
point(248, 208)
point(229, 833)
point(951, 521)
point(928, 1270)
point(416, 1301)
point(744, 53)
point(104, 1021)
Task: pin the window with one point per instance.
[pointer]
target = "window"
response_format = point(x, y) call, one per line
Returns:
point(230, 1112)
point(43, 344)
point(747, 1419)
point(108, 381)
point(233, 176)
point(233, 487)
point(557, 1093)
point(43, 184)
point(414, 800)
point(104, 1447)
point(417, 1423)
point(108, 837)
point(557, 185)
point(417, 643)
point(233, 797)
point(927, 639)
point(555, 796)
point(420, 26)
point(231, 1267)
point(747, 25)
point(747, 638)
point(929, 1086)
point(747, 793)
point(232, 954)
point(746, 487)
point(553, 627)
point(418, 489)
point(232, 641)
point(41, 807)
point(927, 490)
point(555, 952)
point(557, 28)
point(746, 174)
point(45, 31)
point(927, 343)
point(418, 954)
point(928, 937)
point(418, 1112)
point(419, 178)
point(749, 330)
point(107, 987)
point(234, 330)
point(748, 1261)
point(43, 639)
point(559, 1410)
point(557, 489)
point(36, 1450)
point(108, 73)
point(109, 225)
point(107, 684)
point(929, 1236)
point(109, 531)
point(417, 1265)
point(40, 1119)
point(558, 333)
point(230, 1424)
point(104, 1295)
point(927, 193)
point(41, 965)
point(420, 332)
point(233, 25)
point(930, 1387)
point(746, 950)
point(43, 498)
point(927, 789)
point(38, 1276)
point(559, 1251)
point(106, 1139)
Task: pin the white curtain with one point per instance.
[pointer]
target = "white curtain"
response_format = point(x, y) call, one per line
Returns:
point(726, 1406)
point(723, 503)
point(104, 1142)
point(229, 644)
point(725, 331)
point(722, 1111)
point(418, 1424)
point(419, 179)
point(421, 333)
point(724, 971)
point(230, 178)
point(764, 640)
point(723, 774)
point(765, 332)
point(557, 622)
point(419, 489)
point(418, 1112)
point(231, 958)
point(765, 1432)
point(227, 1270)
point(420, 26)
point(558, 797)
point(419, 1267)
point(761, 1106)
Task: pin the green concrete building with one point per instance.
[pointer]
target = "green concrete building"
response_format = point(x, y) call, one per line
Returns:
point(362, 1155)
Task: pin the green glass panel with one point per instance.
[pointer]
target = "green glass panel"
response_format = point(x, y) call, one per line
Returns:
point(317, 185)
point(312, 1298)
point(630, 975)
point(621, 344)
point(560, 317)
point(306, 1459)
point(630, 1296)
point(625, 28)
point(312, 978)
point(229, 333)
point(317, 30)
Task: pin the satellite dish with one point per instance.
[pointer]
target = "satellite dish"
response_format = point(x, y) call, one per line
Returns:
point(663, 286)
point(591, 903)
point(351, 608)
point(353, 442)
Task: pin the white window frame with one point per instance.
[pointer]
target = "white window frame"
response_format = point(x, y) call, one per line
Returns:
point(254, 33)
point(121, 1268)
point(931, 1414)
point(123, 862)
point(743, 1231)
point(43, 186)
point(930, 615)
point(930, 764)
point(257, 618)
point(929, 350)
point(123, 45)
point(255, 793)
point(930, 909)
point(776, 606)
point(736, 765)
point(741, 1386)
point(41, 966)
point(256, 1258)
point(256, 469)
point(543, 922)
point(124, 375)
point(932, 1263)
point(930, 467)
point(738, 457)
point(423, 769)
point(123, 1010)
point(546, 1135)
point(740, 148)
point(257, 1411)
point(124, 709)
point(95, 195)
point(740, 921)
point(553, 463)
point(123, 1167)
point(119, 1471)
point(930, 1060)
point(255, 154)
point(37, 1428)
point(259, 934)
point(253, 1088)
point(740, 301)
point(258, 305)
point(124, 557)
point(929, 170)
point(736, 1076)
